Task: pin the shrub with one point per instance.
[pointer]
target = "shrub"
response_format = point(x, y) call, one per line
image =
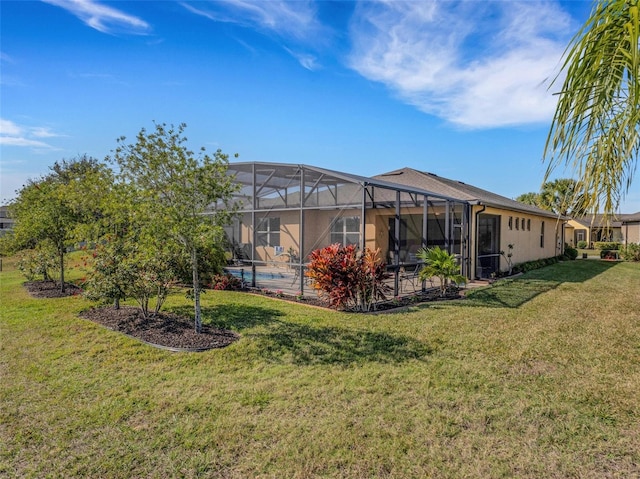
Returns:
point(226, 282)
point(582, 244)
point(41, 261)
point(112, 274)
point(442, 264)
point(570, 252)
point(608, 245)
point(348, 278)
point(631, 252)
point(535, 264)
point(608, 254)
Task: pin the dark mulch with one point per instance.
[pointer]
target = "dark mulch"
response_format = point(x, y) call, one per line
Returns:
point(51, 289)
point(418, 297)
point(164, 329)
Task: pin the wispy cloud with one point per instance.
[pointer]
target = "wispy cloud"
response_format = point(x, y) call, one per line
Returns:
point(475, 64)
point(292, 22)
point(307, 60)
point(102, 17)
point(12, 134)
point(297, 19)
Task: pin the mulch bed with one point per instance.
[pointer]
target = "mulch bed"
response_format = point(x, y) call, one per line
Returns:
point(173, 332)
point(164, 329)
point(51, 289)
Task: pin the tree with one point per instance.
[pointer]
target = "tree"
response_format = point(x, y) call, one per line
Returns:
point(442, 264)
point(530, 198)
point(595, 127)
point(51, 209)
point(562, 196)
point(175, 190)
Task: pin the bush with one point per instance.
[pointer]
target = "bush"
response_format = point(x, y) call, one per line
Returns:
point(226, 282)
point(41, 261)
point(608, 254)
point(348, 278)
point(582, 245)
point(570, 252)
point(536, 264)
point(631, 252)
point(608, 245)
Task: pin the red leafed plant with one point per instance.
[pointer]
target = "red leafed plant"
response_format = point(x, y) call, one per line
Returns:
point(348, 278)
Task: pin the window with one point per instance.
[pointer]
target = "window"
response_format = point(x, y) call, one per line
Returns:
point(522, 223)
point(517, 223)
point(529, 225)
point(542, 235)
point(346, 230)
point(268, 232)
point(510, 222)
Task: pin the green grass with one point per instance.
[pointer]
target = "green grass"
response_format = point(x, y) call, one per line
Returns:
point(532, 377)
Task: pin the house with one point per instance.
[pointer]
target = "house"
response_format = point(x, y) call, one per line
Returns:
point(6, 223)
point(622, 228)
point(630, 228)
point(288, 210)
point(495, 223)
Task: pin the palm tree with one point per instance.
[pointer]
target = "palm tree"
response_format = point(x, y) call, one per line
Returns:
point(440, 263)
point(530, 198)
point(563, 197)
point(595, 127)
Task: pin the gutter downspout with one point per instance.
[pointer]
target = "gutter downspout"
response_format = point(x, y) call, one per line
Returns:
point(477, 240)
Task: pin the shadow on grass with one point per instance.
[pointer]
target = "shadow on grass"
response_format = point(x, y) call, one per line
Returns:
point(514, 292)
point(280, 340)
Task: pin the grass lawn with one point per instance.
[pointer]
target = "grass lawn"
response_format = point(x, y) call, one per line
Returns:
point(535, 377)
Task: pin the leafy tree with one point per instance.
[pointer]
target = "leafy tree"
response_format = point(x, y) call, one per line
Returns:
point(595, 127)
point(442, 264)
point(52, 208)
point(174, 190)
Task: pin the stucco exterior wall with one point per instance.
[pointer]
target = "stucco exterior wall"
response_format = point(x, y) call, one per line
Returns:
point(526, 242)
point(631, 232)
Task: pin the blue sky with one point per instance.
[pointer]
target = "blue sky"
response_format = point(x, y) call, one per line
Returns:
point(460, 89)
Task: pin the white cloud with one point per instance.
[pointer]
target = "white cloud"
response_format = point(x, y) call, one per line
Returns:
point(308, 61)
point(475, 64)
point(293, 22)
point(12, 134)
point(103, 18)
point(297, 19)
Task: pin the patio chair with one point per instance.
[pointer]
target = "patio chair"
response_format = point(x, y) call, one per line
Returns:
point(410, 276)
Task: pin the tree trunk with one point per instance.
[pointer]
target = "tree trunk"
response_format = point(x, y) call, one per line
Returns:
point(196, 290)
point(116, 303)
point(61, 253)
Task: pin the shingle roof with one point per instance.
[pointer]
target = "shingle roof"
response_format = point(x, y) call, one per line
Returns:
point(458, 190)
point(632, 217)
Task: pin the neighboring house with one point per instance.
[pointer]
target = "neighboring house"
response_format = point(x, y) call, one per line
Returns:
point(6, 223)
point(289, 210)
point(631, 228)
point(622, 228)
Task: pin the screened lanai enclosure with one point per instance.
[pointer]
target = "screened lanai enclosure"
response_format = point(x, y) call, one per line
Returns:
point(286, 211)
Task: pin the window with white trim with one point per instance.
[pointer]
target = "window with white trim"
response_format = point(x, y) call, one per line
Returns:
point(346, 230)
point(268, 232)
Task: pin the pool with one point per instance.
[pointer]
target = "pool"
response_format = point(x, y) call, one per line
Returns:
point(260, 275)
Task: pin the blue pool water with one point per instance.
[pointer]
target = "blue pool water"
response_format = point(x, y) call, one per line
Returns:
point(259, 275)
